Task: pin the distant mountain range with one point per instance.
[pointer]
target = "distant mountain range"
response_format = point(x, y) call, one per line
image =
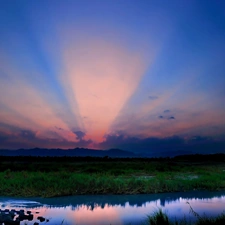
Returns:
point(82, 152)
point(70, 152)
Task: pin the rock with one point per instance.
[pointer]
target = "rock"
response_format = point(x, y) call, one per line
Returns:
point(1, 218)
point(21, 211)
point(42, 219)
point(30, 217)
point(26, 217)
point(12, 222)
point(7, 219)
point(12, 214)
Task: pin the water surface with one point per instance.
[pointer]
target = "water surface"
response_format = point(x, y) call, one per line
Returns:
point(115, 209)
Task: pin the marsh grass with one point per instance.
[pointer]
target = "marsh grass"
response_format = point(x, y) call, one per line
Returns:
point(46, 177)
point(161, 218)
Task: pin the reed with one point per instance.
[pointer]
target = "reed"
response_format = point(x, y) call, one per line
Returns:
point(161, 218)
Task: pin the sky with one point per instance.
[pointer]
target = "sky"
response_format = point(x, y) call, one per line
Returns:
point(136, 75)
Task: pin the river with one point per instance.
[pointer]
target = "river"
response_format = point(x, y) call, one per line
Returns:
point(115, 209)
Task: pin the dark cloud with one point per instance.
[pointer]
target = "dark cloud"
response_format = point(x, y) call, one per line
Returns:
point(164, 146)
point(138, 145)
point(169, 118)
point(153, 97)
point(83, 143)
point(80, 134)
point(199, 139)
point(27, 134)
point(151, 146)
point(29, 140)
point(3, 137)
point(17, 137)
point(8, 126)
point(17, 132)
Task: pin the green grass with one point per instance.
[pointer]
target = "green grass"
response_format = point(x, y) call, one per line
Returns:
point(47, 177)
point(161, 218)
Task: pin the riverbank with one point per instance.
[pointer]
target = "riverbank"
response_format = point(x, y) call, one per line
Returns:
point(48, 178)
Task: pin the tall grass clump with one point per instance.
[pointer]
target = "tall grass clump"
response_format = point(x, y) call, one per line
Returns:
point(159, 218)
point(204, 220)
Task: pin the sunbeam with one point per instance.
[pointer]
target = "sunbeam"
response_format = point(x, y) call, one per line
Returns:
point(102, 76)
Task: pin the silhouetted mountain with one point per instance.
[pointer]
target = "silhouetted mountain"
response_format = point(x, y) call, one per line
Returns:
point(113, 153)
point(70, 152)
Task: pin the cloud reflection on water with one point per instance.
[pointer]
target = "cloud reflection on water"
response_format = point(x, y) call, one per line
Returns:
point(102, 210)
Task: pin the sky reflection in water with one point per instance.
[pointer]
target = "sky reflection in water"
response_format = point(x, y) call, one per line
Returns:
point(116, 210)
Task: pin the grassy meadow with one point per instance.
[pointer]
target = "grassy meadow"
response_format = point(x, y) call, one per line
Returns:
point(60, 176)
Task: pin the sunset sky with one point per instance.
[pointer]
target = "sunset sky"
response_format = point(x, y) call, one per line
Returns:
point(129, 74)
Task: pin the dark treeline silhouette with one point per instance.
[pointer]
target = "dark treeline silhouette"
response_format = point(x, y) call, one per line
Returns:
point(220, 157)
point(90, 164)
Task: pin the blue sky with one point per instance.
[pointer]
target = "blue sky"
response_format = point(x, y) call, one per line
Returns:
point(101, 74)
